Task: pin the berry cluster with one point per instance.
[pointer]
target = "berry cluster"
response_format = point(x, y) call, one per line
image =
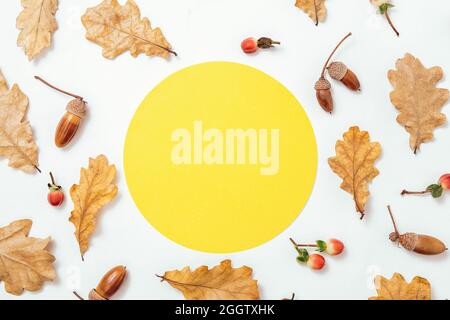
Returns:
point(315, 261)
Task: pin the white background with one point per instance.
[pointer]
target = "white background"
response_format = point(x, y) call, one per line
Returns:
point(208, 30)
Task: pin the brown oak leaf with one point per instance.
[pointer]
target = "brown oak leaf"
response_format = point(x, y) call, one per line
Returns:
point(37, 24)
point(3, 84)
point(219, 283)
point(398, 289)
point(354, 163)
point(119, 28)
point(417, 99)
point(25, 264)
point(95, 190)
point(16, 136)
point(315, 9)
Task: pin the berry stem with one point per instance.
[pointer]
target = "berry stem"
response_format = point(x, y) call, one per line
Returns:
point(53, 179)
point(295, 245)
point(37, 168)
point(307, 245)
point(391, 24)
point(332, 53)
point(414, 192)
point(393, 221)
point(57, 89)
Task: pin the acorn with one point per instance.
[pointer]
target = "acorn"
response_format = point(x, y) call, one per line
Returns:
point(323, 94)
point(419, 243)
point(109, 284)
point(323, 86)
point(340, 72)
point(71, 121)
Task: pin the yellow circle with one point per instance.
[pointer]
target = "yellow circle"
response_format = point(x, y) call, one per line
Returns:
point(220, 157)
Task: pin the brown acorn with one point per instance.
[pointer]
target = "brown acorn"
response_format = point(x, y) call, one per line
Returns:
point(419, 243)
point(323, 94)
point(340, 72)
point(323, 86)
point(71, 121)
point(109, 284)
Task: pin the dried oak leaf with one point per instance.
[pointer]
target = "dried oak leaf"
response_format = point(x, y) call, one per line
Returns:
point(16, 136)
point(219, 283)
point(37, 24)
point(315, 9)
point(398, 289)
point(417, 99)
point(3, 84)
point(24, 262)
point(119, 28)
point(354, 163)
point(95, 190)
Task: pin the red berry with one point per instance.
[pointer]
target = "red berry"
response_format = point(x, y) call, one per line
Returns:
point(55, 198)
point(334, 247)
point(249, 45)
point(444, 181)
point(316, 261)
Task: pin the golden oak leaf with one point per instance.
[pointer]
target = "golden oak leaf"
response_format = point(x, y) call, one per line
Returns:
point(95, 190)
point(37, 24)
point(315, 9)
point(3, 84)
point(24, 262)
point(119, 28)
point(398, 289)
point(219, 283)
point(417, 99)
point(354, 163)
point(16, 136)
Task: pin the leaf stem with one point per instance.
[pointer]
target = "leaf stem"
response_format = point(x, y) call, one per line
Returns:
point(315, 11)
point(57, 89)
point(391, 24)
point(332, 53)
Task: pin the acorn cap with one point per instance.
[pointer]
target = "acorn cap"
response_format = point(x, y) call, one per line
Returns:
point(94, 295)
point(409, 240)
point(77, 107)
point(337, 70)
point(322, 84)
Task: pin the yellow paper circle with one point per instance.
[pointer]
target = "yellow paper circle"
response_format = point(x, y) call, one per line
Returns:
point(201, 157)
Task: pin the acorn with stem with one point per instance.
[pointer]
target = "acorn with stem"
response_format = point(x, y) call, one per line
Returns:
point(71, 121)
point(108, 285)
point(338, 71)
point(419, 243)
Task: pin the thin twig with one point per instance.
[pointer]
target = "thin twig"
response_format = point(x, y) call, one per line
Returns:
point(57, 89)
point(414, 192)
point(332, 53)
point(77, 295)
point(393, 221)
